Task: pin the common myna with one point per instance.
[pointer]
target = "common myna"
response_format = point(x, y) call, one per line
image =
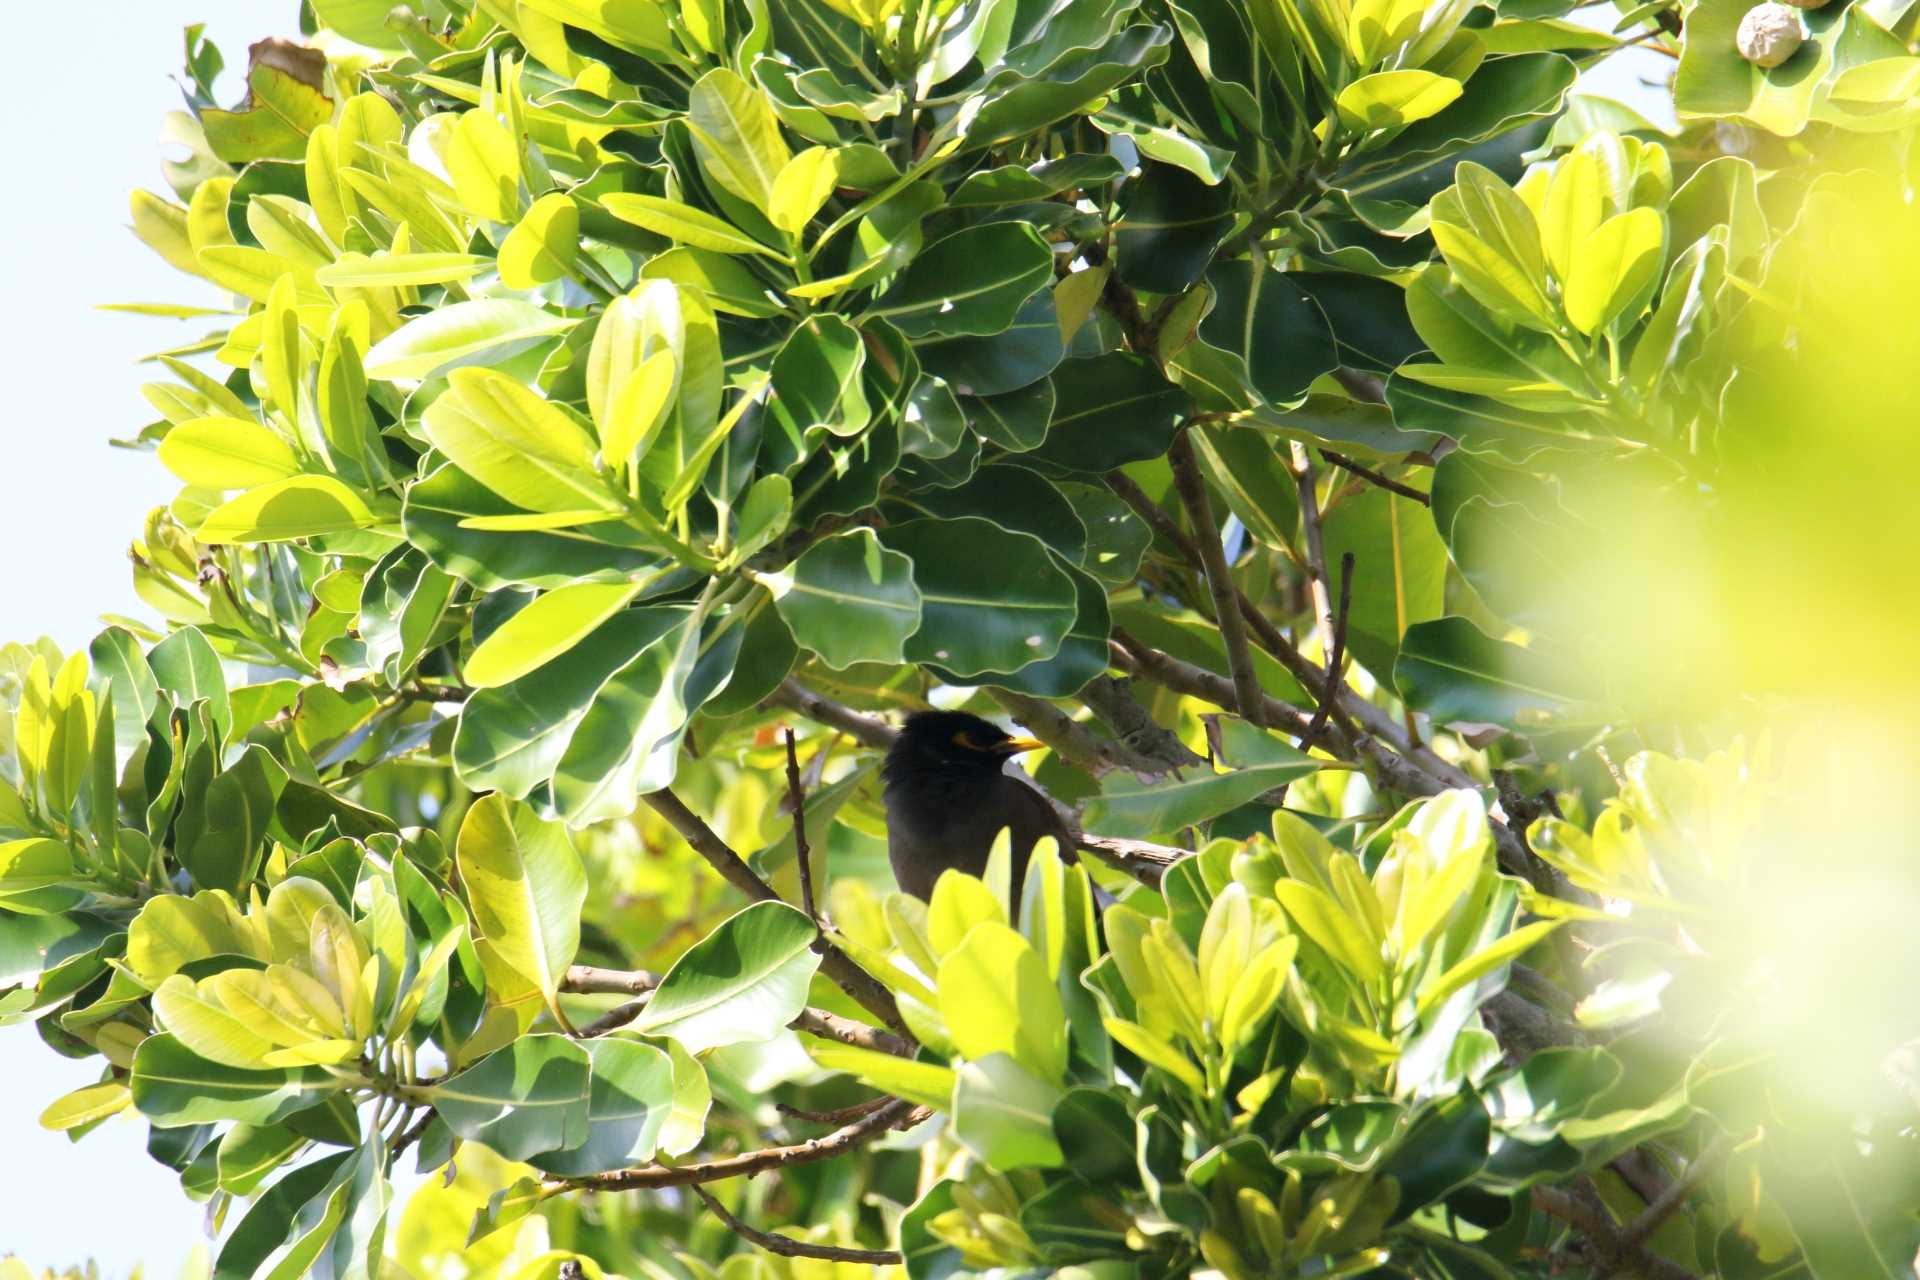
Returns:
point(948, 796)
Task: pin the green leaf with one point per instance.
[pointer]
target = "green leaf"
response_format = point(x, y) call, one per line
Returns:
point(682, 223)
point(1006, 362)
point(635, 27)
point(1068, 85)
point(526, 887)
point(531, 1097)
point(297, 507)
point(1003, 1114)
point(484, 331)
point(741, 984)
point(1612, 267)
point(997, 998)
point(173, 1086)
point(1489, 237)
point(629, 1103)
point(1330, 928)
point(1274, 332)
point(1127, 807)
point(394, 270)
point(928, 1083)
point(544, 630)
point(737, 137)
point(990, 600)
point(542, 248)
point(528, 450)
point(628, 743)
point(972, 282)
point(1109, 410)
point(226, 453)
point(1170, 224)
point(817, 381)
point(1452, 670)
point(1391, 99)
point(802, 187)
point(286, 100)
point(1399, 571)
point(435, 518)
point(849, 599)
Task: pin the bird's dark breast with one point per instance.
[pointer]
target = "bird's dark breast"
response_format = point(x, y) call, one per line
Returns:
point(935, 823)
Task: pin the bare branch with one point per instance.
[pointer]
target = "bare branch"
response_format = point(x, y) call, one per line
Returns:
point(835, 963)
point(589, 980)
point(1336, 678)
point(797, 801)
point(871, 730)
point(839, 1115)
point(1317, 584)
point(1164, 669)
point(1072, 741)
point(1361, 386)
point(1604, 1242)
point(897, 1114)
point(613, 1019)
point(1248, 696)
point(831, 1026)
point(1160, 748)
point(1141, 859)
point(787, 1247)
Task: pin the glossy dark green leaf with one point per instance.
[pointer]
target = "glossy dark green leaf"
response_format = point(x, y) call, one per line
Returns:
point(288, 1225)
point(1013, 498)
point(1012, 183)
point(817, 382)
point(628, 742)
point(437, 504)
point(219, 830)
point(1270, 326)
point(529, 1097)
point(1130, 808)
point(1368, 317)
point(173, 1086)
point(511, 738)
point(628, 1104)
point(767, 654)
point(969, 283)
point(1017, 420)
point(186, 666)
point(849, 599)
point(1252, 471)
point(1452, 670)
point(1170, 224)
point(1083, 653)
point(1026, 352)
point(741, 984)
point(1109, 410)
point(1500, 96)
point(991, 600)
point(1071, 84)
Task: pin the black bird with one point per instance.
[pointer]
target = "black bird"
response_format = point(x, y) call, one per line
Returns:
point(948, 796)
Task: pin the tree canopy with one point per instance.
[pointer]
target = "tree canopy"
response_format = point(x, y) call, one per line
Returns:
point(1452, 534)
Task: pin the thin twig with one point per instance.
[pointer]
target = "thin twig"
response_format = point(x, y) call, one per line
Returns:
point(613, 1019)
point(1219, 574)
point(1604, 1241)
point(797, 800)
point(897, 1114)
point(839, 1115)
point(1067, 738)
point(787, 1247)
point(835, 963)
point(1345, 463)
point(1336, 678)
point(1130, 654)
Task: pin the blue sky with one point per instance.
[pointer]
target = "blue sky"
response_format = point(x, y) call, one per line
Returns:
point(80, 113)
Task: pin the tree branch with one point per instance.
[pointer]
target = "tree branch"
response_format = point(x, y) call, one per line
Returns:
point(871, 730)
point(1605, 1243)
point(1675, 1195)
point(835, 963)
point(1072, 741)
point(1317, 583)
point(1373, 477)
point(1158, 747)
point(1336, 678)
point(797, 799)
point(590, 980)
point(1130, 654)
point(1248, 696)
point(897, 1114)
point(787, 1247)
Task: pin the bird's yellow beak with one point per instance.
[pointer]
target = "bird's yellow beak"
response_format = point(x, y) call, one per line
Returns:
point(1014, 746)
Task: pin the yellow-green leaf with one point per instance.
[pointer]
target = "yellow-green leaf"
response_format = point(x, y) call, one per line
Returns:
point(736, 136)
point(392, 270)
point(1612, 266)
point(543, 247)
point(544, 630)
point(1390, 99)
point(297, 507)
point(226, 453)
point(682, 223)
point(526, 887)
point(803, 186)
point(995, 997)
point(84, 1106)
point(484, 163)
point(527, 449)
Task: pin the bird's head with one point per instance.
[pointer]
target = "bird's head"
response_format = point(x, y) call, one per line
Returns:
point(951, 742)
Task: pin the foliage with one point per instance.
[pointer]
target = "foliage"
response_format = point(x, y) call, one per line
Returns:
point(609, 385)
